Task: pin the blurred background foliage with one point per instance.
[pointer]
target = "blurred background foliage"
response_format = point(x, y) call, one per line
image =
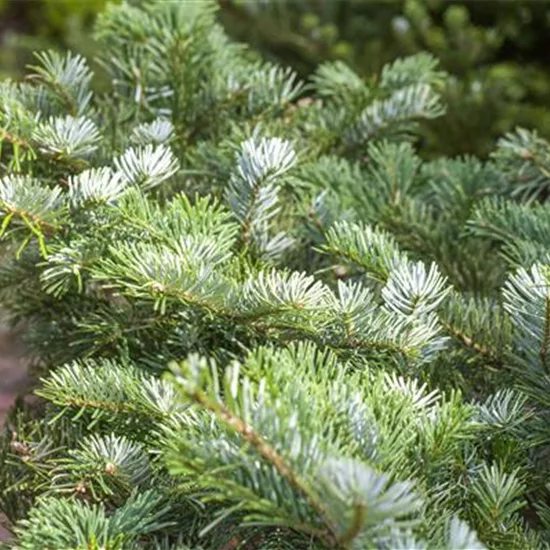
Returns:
point(31, 25)
point(497, 50)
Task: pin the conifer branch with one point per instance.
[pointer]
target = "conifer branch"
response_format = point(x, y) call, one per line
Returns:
point(269, 454)
point(197, 210)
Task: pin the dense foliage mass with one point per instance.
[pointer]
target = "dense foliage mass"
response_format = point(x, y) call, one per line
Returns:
point(261, 320)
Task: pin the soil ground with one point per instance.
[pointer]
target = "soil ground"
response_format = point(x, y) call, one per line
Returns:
point(12, 381)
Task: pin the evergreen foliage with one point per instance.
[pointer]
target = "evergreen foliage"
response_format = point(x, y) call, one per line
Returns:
point(261, 319)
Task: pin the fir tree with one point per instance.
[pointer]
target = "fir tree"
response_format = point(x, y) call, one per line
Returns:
point(261, 319)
